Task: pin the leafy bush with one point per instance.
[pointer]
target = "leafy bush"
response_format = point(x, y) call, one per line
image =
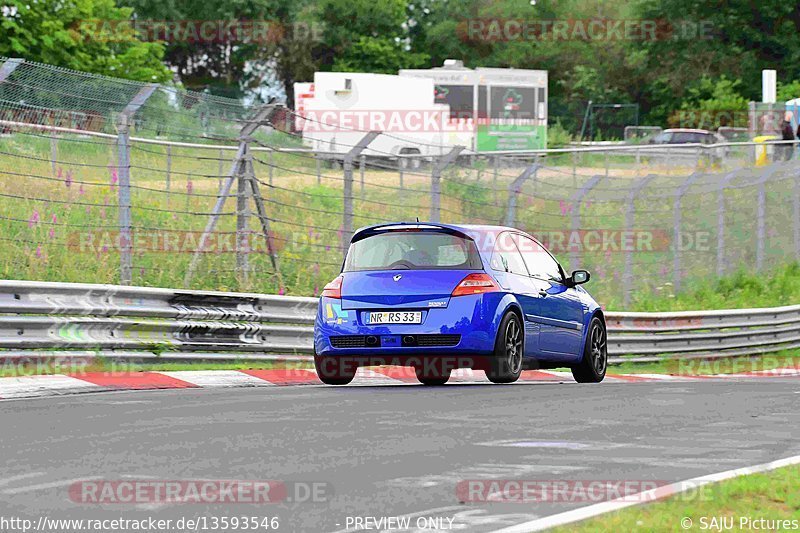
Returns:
point(710, 104)
point(558, 136)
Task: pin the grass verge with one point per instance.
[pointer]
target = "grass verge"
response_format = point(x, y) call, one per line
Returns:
point(771, 496)
point(704, 367)
point(740, 290)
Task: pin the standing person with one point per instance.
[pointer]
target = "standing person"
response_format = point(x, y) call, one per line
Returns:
point(788, 135)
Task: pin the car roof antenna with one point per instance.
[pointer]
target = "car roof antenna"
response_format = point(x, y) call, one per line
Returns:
point(417, 220)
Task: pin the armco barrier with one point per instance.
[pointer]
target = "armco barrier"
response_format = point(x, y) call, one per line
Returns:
point(117, 320)
point(42, 318)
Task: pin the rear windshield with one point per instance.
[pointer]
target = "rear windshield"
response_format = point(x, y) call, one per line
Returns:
point(413, 250)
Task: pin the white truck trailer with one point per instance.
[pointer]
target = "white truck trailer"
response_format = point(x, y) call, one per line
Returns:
point(338, 108)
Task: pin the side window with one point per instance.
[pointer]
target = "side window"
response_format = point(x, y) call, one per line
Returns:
point(540, 263)
point(662, 138)
point(506, 257)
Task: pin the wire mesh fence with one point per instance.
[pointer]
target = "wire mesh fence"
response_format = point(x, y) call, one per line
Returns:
point(110, 181)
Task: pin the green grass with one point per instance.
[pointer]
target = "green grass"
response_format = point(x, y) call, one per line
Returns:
point(741, 290)
point(772, 496)
point(54, 229)
point(701, 367)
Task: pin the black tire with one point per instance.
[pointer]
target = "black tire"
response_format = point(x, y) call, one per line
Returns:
point(593, 365)
point(506, 364)
point(432, 378)
point(331, 372)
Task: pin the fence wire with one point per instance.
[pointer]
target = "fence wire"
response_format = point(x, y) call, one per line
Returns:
point(112, 181)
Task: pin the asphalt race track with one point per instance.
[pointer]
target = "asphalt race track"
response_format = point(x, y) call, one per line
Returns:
point(387, 450)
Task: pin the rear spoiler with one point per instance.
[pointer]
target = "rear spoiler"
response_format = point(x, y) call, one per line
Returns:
point(370, 231)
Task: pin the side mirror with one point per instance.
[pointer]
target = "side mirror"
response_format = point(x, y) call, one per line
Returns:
point(579, 277)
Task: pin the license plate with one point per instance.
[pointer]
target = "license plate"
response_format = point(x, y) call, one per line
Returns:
point(395, 317)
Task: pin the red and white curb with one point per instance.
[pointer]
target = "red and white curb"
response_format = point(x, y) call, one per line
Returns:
point(53, 385)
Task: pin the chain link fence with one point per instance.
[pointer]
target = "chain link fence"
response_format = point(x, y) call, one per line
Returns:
point(110, 181)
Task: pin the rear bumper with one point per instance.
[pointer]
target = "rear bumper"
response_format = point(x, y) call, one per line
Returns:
point(466, 327)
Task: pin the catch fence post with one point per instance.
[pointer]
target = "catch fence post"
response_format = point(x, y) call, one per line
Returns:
point(240, 172)
point(439, 164)
point(242, 215)
point(347, 194)
point(721, 222)
point(630, 215)
point(796, 213)
point(576, 201)
point(574, 170)
point(496, 160)
point(169, 172)
point(761, 214)
point(124, 200)
point(400, 165)
point(124, 121)
point(514, 190)
point(220, 167)
point(53, 152)
point(676, 234)
point(363, 165)
point(271, 165)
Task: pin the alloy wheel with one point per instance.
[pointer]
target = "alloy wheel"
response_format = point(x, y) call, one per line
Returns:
point(514, 346)
point(598, 346)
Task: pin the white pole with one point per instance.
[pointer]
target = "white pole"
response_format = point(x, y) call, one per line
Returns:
point(769, 80)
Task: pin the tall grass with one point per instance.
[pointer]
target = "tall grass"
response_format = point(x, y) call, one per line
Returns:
point(60, 224)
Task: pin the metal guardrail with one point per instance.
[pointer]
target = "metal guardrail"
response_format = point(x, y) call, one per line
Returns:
point(45, 319)
point(109, 320)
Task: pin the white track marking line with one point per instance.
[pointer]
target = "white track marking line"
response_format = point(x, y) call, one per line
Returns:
point(648, 496)
point(40, 385)
point(217, 378)
point(50, 485)
point(9, 480)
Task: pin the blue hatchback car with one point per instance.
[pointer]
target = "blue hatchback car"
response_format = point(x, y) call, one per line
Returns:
point(437, 297)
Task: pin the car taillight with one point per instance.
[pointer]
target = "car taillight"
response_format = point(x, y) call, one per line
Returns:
point(476, 284)
point(333, 289)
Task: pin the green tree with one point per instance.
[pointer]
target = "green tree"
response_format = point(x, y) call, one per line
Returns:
point(737, 38)
point(66, 33)
point(788, 91)
point(218, 62)
point(373, 54)
point(367, 36)
point(606, 71)
point(711, 103)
